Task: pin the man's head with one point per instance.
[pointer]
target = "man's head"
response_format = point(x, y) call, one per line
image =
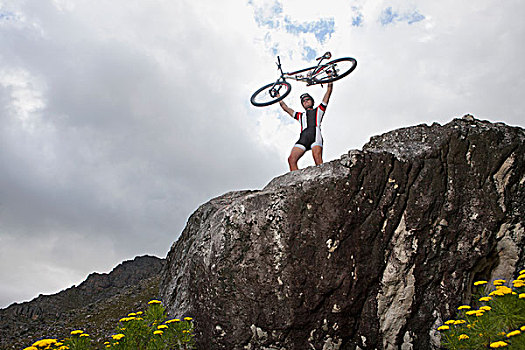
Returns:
point(307, 101)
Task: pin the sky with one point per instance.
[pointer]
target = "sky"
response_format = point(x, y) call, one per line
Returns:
point(119, 118)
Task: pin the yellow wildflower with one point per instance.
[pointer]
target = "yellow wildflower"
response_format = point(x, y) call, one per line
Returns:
point(132, 314)
point(171, 321)
point(118, 336)
point(151, 302)
point(84, 335)
point(31, 348)
point(522, 295)
point(450, 321)
point(139, 313)
point(44, 342)
point(513, 333)
point(522, 272)
point(188, 318)
point(443, 328)
point(486, 308)
point(521, 277)
point(162, 326)
point(463, 337)
point(464, 307)
point(158, 332)
point(498, 344)
point(106, 343)
point(504, 289)
point(499, 282)
point(485, 299)
point(479, 283)
point(459, 322)
point(498, 293)
point(472, 312)
point(77, 332)
point(522, 328)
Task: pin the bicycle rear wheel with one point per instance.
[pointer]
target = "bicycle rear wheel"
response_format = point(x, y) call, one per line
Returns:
point(266, 95)
point(335, 70)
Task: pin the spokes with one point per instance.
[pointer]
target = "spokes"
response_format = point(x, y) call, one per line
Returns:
point(270, 93)
point(333, 70)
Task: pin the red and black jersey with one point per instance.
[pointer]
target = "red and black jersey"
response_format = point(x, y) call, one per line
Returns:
point(312, 117)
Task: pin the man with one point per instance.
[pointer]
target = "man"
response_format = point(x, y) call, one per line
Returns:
point(310, 120)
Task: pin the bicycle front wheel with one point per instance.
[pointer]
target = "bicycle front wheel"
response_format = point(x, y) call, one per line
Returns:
point(335, 70)
point(270, 94)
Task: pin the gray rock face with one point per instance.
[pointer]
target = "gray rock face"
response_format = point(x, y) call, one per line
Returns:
point(371, 251)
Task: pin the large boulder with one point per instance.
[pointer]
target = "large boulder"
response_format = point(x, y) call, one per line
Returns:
point(370, 251)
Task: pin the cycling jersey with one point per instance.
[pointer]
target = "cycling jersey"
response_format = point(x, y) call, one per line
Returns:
point(310, 127)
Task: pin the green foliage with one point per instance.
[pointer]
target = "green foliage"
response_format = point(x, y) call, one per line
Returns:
point(147, 330)
point(497, 319)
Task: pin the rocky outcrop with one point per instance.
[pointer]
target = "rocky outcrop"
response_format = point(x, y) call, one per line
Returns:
point(95, 305)
point(370, 251)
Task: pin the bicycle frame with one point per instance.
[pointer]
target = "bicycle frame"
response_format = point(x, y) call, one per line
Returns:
point(313, 72)
point(308, 77)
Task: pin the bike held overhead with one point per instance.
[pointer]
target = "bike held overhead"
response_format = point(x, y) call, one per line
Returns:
point(310, 120)
point(322, 73)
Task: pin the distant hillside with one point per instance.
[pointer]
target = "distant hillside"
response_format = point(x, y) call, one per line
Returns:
point(95, 305)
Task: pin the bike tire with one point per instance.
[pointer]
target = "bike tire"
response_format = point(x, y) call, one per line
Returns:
point(347, 65)
point(262, 97)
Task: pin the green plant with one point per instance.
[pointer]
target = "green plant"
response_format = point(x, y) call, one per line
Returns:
point(496, 320)
point(148, 330)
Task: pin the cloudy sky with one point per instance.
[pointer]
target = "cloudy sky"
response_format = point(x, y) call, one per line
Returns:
point(119, 118)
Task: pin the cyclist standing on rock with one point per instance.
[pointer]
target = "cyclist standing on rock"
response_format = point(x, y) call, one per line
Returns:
point(310, 138)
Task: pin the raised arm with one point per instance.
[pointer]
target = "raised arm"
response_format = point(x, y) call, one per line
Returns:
point(286, 108)
point(329, 88)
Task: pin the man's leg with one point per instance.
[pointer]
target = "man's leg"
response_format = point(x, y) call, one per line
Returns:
point(294, 157)
point(317, 152)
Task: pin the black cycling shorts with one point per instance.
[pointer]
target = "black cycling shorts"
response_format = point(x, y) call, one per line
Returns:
point(309, 138)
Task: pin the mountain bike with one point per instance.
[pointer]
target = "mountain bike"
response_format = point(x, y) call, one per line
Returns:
point(321, 74)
